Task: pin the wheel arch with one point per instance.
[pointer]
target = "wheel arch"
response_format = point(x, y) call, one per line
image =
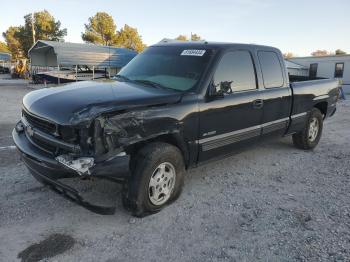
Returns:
point(322, 106)
point(174, 139)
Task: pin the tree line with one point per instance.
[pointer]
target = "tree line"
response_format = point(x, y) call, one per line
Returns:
point(289, 55)
point(100, 29)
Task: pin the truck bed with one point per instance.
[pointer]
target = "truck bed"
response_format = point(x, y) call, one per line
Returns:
point(294, 78)
point(322, 93)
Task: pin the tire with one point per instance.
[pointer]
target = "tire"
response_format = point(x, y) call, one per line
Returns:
point(307, 139)
point(155, 162)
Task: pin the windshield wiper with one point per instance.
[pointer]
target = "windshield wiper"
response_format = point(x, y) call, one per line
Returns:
point(151, 83)
point(144, 81)
point(122, 77)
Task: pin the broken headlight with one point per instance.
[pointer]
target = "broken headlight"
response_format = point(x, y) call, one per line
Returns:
point(68, 134)
point(81, 165)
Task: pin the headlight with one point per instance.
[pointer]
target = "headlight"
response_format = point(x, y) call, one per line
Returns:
point(81, 165)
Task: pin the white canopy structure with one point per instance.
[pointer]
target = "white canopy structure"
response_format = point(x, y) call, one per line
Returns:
point(60, 54)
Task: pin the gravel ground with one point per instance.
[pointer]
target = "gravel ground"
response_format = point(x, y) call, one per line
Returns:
point(270, 203)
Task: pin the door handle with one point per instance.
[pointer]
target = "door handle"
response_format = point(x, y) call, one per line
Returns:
point(258, 103)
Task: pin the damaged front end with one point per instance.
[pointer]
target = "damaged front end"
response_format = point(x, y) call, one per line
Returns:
point(101, 147)
point(81, 165)
point(84, 131)
point(52, 152)
point(98, 144)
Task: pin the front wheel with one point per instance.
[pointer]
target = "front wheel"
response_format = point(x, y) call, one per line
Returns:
point(309, 137)
point(157, 179)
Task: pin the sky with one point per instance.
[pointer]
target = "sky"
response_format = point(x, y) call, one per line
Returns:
point(293, 26)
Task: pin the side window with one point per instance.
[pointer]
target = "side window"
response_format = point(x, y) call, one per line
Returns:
point(313, 71)
point(271, 69)
point(339, 70)
point(235, 73)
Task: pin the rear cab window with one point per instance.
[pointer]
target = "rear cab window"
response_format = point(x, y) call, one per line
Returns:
point(235, 73)
point(271, 69)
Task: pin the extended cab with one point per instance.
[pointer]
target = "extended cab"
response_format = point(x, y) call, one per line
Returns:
point(174, 106)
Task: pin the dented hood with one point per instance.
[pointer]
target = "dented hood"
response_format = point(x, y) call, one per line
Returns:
point(82, 101)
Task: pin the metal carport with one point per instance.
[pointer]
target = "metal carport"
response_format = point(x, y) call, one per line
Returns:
point(64, 54)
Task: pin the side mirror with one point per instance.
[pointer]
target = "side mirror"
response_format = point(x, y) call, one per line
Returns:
point(225, 87)
point(214, 93)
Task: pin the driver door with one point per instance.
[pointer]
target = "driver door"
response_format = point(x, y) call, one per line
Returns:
point(232, 115)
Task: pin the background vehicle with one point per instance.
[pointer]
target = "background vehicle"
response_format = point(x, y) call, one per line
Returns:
point(21, 69)
point(4, 70)
point(174, 106)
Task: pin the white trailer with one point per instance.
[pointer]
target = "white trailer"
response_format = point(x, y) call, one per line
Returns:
point(335, 66)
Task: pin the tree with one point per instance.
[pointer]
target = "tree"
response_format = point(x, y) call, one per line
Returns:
point(129, 37)
point(195, 37)
point(12, 42)
point(20, 39)
point(288, 55)
point(181, 38)
point(101, 29)
point(320, 53)
point(340, 52)
point(3, 47)
point(46, 27)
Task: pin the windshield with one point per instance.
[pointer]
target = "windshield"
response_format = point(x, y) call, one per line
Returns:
point(178, 68)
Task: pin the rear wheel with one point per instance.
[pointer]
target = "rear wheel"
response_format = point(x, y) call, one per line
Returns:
point(309, 137)
point(156, 180)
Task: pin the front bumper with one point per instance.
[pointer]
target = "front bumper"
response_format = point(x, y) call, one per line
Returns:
point(47, 165)
point(48, 171)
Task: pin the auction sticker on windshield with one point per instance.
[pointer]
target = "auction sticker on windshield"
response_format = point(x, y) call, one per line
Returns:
point(193, 52)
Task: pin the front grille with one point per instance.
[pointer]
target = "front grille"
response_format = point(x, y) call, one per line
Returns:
point(44, 126)
point(44, 146)
point(39, 123)
point(44, 135)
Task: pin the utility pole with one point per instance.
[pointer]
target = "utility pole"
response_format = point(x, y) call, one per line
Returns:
point(33, 30)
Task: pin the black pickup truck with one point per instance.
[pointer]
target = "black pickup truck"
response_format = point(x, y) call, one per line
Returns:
point(173, 107)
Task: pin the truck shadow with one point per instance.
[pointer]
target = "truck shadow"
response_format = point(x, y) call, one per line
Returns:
point(102, 192)
point(105, 193)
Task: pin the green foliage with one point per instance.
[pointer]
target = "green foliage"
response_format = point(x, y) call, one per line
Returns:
point(288, 55)
point(46, 27)
point(129, 37)
point(20, 39)
point(320, 53)
point(340, 52)
point(181, 38)
point(101, 29)
point(12, 42)
point(194, 37)
point(3, 47)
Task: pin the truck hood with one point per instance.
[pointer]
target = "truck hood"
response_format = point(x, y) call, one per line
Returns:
point(82, 101)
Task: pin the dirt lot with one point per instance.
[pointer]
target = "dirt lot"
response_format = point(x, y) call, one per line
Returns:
point(269, 203)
